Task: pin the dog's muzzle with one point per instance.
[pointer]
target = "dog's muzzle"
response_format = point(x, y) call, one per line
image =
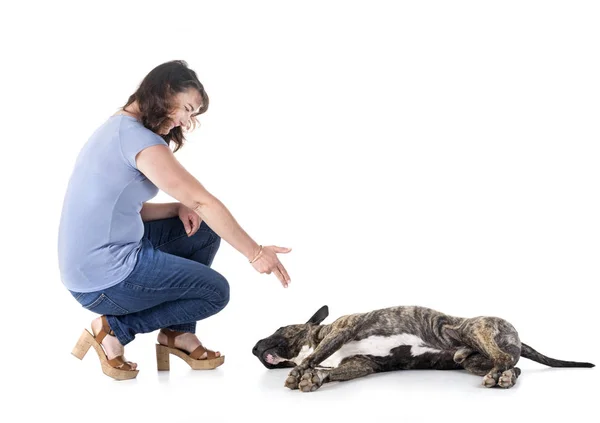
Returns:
point(271, 352)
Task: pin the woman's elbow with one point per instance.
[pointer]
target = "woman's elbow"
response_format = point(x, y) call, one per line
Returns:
point(201, 205)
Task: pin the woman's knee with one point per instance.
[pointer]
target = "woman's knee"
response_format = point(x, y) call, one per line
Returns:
point(205, 230)
point(206, 244)
point(216, 243)
point(222, 290)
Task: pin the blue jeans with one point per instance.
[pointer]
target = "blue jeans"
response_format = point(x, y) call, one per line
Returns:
point(171, 286)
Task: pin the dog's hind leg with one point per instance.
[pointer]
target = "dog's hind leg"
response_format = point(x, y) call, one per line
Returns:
point(496, 347)
point(480, 365)
point(477, 364)
point(350, 368)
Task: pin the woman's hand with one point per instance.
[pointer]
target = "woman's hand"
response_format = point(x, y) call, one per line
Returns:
point(266, 261)
point(191, 220)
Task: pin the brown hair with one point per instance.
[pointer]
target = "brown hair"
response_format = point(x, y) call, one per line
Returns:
point(156, 91)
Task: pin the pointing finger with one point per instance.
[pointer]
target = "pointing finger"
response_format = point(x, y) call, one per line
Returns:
point(284, 273)
point(280, 277)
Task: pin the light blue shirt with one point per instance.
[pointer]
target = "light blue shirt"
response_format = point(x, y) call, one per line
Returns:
point(101, 227)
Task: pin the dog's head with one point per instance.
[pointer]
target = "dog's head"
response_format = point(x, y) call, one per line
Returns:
point(279, 349)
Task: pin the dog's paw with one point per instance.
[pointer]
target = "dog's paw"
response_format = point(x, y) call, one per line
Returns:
point(506, 379)
point(509, 378)
point(293, 379)
point(491, 379)
point(311, 380)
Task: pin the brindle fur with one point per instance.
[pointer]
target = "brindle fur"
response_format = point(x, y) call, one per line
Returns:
point(485, 346)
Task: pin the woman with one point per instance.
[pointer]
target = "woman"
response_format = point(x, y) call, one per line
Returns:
point(143, 266)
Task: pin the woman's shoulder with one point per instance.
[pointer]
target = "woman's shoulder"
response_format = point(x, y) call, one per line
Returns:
point(130, 126)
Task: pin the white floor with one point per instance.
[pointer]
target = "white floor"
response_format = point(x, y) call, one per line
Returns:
point(73, 391)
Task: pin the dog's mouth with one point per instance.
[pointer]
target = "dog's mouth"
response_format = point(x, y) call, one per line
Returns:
point(272, 358)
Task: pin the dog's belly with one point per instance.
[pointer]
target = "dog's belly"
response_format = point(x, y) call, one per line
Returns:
point(375, 346)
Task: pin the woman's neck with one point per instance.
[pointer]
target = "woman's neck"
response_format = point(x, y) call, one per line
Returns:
point(132, 110)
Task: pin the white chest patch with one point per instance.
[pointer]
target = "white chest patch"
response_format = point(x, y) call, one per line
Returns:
point(374, 345)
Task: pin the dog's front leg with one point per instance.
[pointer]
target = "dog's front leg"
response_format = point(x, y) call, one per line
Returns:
point(350, 368)
point(329, 345)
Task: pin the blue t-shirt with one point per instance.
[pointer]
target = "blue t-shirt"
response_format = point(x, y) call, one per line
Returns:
point(101, 227)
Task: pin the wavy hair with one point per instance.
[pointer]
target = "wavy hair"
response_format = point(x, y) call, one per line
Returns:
point(155, 94)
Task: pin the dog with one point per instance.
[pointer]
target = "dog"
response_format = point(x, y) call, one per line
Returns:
point(397, 338)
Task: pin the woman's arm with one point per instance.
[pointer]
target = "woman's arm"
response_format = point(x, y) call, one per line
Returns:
point(160, 166)
point(155, 211)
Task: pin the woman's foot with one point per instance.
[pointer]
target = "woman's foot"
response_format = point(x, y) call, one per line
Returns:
point(110, 344)
point(187, 342)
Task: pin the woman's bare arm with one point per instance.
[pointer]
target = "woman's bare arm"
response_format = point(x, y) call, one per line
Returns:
point(160, 166)
point(155, 211)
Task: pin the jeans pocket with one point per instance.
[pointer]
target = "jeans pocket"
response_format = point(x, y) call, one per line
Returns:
point(101, 304)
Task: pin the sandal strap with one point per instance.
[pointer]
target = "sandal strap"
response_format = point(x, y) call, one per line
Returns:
point(119, 363)
point(106, 330)
point(198, 352)
point(171, 335)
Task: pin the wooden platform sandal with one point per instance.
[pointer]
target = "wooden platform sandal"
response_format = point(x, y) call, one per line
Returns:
point(192, 359)
point(116, 368)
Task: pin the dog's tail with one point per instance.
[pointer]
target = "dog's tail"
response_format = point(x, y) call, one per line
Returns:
point(530, 353)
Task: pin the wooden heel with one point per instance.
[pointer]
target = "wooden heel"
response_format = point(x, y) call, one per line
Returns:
point(162, 357)
point(115, 368)
point(211, 361)
point(83, 345)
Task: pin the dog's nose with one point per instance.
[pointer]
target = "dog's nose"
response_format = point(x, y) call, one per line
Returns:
point(255, 350)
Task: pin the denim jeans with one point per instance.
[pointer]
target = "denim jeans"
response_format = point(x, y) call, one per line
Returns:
point(171, 286)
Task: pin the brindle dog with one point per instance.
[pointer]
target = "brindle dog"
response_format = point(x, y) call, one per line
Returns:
point(397, 338)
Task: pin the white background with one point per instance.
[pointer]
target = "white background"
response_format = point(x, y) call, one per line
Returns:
point(442, 154)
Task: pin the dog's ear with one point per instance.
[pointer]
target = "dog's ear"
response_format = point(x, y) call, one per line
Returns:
point(319, 316)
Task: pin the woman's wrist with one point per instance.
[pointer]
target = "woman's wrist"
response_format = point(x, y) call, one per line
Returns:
point(176, 208)
point(256, 255)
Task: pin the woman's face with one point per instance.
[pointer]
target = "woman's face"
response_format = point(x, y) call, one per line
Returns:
point(184, 104)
